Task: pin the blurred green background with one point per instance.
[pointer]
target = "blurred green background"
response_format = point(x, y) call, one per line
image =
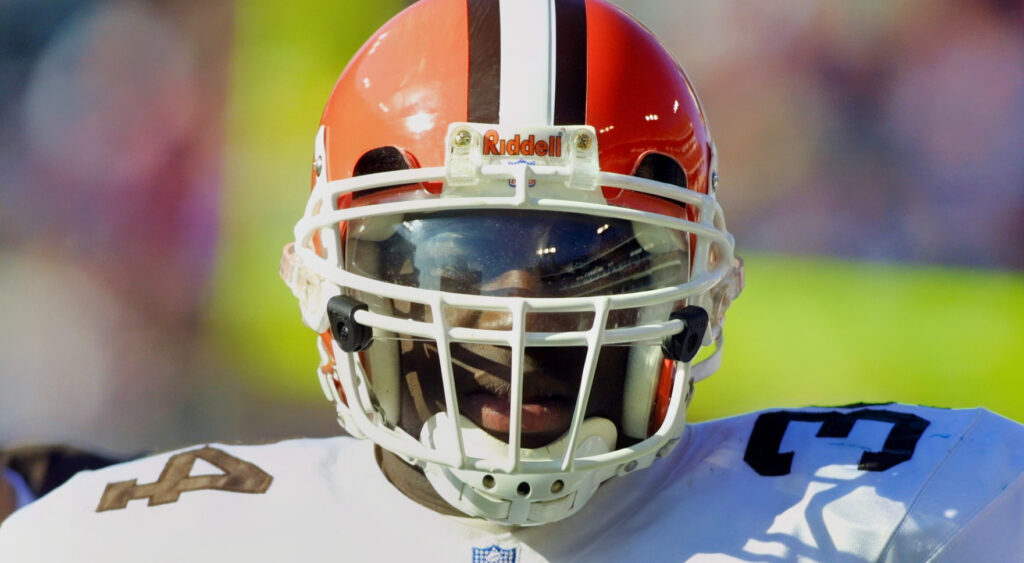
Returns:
point(806, 331)
point(851, 296)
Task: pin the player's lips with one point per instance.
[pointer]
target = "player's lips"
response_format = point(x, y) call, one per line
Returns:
point(484, 387)
point(550, 415)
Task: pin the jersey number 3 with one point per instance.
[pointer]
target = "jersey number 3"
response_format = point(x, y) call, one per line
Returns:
point(763, 453)
point(238, 477)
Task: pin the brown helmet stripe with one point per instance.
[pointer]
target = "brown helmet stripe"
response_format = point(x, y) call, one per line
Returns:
point(570, 62)
point(484, 60)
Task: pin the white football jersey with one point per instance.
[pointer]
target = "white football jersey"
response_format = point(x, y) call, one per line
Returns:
point(874, 483)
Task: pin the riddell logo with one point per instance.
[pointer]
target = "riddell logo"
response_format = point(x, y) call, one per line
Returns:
point(516, 146)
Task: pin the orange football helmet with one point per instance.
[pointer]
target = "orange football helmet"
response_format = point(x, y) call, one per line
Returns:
point(528, 177)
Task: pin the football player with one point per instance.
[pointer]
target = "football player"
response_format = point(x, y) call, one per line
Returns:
point(517, 269)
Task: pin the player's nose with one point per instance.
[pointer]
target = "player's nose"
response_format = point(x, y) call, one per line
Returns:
point(524, 283)
point(514, 283)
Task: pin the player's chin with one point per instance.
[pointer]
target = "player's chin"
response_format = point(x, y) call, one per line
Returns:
point(533, 440)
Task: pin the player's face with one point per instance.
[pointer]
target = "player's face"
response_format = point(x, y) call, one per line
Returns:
point(551, 378)
point(511, 253)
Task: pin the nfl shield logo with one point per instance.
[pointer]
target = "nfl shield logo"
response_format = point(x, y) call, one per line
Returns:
point(494, 554)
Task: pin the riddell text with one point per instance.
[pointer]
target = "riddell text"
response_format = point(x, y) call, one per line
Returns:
point(495, 145)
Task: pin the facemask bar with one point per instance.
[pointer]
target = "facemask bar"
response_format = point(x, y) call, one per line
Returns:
point(323, 217)
point(315, 278)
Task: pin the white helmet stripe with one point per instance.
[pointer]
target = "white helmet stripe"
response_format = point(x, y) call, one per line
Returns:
point(527, 62)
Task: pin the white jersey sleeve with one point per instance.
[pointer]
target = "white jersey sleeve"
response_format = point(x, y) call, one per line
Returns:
point(873, 483)
point(996, 533)
point(870, 483)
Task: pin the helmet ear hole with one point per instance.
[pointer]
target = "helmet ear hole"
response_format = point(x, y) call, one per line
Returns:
point(388, 159)
point(661, 167)
point(381, 159)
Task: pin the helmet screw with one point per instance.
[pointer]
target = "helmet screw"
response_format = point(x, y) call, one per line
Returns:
point(462, 138)
point(583, 141)
point(630, 466)
point(557, 486)
point(318, 164)
point(714, 181)
point(667, 448)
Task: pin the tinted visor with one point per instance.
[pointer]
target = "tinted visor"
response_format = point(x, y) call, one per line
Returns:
point(516, 253)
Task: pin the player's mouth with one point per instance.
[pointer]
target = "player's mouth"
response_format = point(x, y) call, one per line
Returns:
point(484, 390)
point(542, 419)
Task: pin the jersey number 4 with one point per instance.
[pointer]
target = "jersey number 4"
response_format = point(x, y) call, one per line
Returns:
point(238, 477)
point(763, 453)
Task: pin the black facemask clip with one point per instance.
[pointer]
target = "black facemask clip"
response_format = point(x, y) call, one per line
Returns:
point(684, 345)
point(347, 332)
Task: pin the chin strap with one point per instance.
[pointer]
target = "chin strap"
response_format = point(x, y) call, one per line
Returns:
point(504, 495)
point(722, 295)
point(704, 368)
